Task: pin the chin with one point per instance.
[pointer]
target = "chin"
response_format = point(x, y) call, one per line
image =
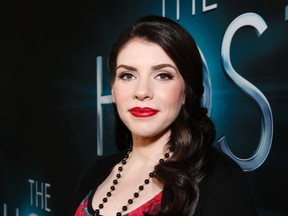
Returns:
point(143, 134)
point(150, 133)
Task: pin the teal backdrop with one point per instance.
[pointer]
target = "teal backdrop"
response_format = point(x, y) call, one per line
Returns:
point(52, 97)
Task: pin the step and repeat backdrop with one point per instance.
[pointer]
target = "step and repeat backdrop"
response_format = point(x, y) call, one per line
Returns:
point(55, 100)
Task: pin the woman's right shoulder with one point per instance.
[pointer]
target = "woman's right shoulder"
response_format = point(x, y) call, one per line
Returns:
point(102, 166)
point(92, 176)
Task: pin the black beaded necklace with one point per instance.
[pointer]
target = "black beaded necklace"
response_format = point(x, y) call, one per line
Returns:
point(118, 176)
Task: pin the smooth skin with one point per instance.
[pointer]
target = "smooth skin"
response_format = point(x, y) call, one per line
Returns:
point(146, 77)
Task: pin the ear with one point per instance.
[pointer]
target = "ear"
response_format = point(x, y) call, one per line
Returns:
point(113, 97)
point(184, 98)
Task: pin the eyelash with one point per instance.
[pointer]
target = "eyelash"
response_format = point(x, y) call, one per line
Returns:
point(125, 76)
point(165, 76)
point(161, 76)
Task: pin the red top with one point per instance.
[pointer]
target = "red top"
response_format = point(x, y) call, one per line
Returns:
point(152, 206)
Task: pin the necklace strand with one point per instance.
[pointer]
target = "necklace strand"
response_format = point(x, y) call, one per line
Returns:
point(118, 176)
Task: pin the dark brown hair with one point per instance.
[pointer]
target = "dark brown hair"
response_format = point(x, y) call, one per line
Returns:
point(192, 133)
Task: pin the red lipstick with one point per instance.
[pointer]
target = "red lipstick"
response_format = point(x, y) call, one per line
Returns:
point(143, 112)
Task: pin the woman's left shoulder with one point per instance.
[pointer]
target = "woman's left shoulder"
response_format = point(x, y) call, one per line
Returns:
point(225, 166)
point(226, 173)
point(226, 190)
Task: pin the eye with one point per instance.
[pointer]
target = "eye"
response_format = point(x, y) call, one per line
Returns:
point(126, 76)
point(164, 76)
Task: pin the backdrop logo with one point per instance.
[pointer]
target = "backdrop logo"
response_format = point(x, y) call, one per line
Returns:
point(262, 151)
point(258, 98)
point(205, 7)
point(100, 101)
point(38, 204)
point(286, 13)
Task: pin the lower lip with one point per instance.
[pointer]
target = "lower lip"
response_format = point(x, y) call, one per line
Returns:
point(143, 113)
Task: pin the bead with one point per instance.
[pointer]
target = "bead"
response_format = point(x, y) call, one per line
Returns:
point(118, 175)
point(172, 148)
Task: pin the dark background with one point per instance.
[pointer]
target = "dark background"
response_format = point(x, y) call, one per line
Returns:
point(48, 91)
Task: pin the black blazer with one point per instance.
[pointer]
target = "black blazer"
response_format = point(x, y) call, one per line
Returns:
point(224, 193)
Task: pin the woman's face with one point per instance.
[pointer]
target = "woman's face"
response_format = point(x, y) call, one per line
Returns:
point(148, 89)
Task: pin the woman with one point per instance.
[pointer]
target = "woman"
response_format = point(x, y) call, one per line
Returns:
point(170, 167)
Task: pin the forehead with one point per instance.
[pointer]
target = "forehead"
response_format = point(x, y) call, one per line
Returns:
point(143, 51)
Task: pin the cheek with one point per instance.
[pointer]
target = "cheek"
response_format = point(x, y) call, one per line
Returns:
point(177, 93)
point(174, 98)
point(119, 97)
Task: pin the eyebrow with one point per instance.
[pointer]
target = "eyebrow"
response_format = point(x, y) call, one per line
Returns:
point(160, 66)
point(126, 67)
point(155, 67)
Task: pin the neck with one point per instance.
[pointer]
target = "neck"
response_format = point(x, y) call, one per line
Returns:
point(145, 149)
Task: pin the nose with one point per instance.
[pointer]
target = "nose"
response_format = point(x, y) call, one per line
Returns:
point(143, 90)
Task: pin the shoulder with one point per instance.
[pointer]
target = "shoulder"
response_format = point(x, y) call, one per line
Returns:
point(224, 169)
point(105, 162)
point(101, 167)
point(92, 177)
point(226, 191)
point(226, 174)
